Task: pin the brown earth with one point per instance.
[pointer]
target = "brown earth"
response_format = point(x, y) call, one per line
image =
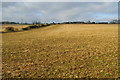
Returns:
point(62, 51)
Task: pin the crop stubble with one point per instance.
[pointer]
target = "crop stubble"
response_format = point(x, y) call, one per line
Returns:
point(62, 51)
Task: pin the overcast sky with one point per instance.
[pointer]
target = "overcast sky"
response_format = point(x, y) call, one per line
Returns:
point(59, 11)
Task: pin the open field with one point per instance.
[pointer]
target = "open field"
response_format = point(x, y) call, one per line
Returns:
point(62, 51)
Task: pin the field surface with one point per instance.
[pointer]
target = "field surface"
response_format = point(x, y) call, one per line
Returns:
point(62, 51)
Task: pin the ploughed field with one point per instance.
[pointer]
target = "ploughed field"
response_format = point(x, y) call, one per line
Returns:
point(62, 51)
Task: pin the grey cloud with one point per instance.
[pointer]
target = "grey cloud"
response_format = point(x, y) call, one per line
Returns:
point(56, 11)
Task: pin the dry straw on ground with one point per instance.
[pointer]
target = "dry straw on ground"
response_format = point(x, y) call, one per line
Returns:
point(62, 51)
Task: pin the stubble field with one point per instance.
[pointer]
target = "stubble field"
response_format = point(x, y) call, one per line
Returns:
point(62, 51)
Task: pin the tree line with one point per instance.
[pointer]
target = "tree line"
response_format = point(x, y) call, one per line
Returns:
point(74, 22)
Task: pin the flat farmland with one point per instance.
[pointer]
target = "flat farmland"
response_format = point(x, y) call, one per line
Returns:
point(62, 51)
